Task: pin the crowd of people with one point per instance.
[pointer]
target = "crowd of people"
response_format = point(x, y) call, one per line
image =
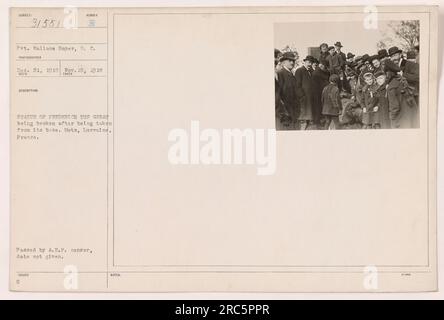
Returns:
point(339, 91)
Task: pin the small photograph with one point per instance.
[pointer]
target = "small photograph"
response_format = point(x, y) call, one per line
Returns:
point(341, 75)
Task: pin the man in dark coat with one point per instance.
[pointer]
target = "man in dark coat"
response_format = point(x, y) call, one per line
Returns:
point(411, 73)
point(403, 114)
point(304, 92)
point(395, 55)
point(383, 56)
point(379, 101)
point(281, 114)
point(350, 58)
point(343, 84)
point(320, 80)
point(338, 49)
point(286, 82)
point(334, 61)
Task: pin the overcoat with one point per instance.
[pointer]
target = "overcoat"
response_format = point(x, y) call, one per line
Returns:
point(369, 117)
point(286, 84)
point(380, 100)
point(411, 73)
point(304, 92)
point(323, 58)
point(335, 63)
point(402, 114)
point(320, 81)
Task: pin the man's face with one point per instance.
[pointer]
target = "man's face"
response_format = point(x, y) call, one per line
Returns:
point(396, 57)
point(324, 49)
point(381, 80)
point(350, 60)
point(338, 49)
point(332, 51)
point(314, 65)
point(321, 66)
point(308, 63)
point(289, 64)
point(376, 63)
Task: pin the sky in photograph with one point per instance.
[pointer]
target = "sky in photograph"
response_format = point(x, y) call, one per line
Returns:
point(353, 36)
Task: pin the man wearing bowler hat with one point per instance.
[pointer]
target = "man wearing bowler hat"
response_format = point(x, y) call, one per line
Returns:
point(320, 80)
point(403, 112)
point(304, 92)
point(286, 82)
point(336, 60)
point(323, 54)
point(395, 55)
point(343, 85)
point(350, 57)
point(338, 49)
point(411, 73)
point(383, 56)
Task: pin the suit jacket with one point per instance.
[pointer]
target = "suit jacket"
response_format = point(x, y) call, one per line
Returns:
point(343, 59)
point(320, 81)
point(286, 83)
point(336, 63)
point(287, 86)
point(304, 92)
point(323, 58)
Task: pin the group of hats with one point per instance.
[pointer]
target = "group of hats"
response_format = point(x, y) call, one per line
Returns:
point(359, 60)
point(383, 53)
point(292, 56)
point(337, 44)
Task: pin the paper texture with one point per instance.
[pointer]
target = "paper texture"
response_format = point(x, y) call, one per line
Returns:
point(101, 200)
